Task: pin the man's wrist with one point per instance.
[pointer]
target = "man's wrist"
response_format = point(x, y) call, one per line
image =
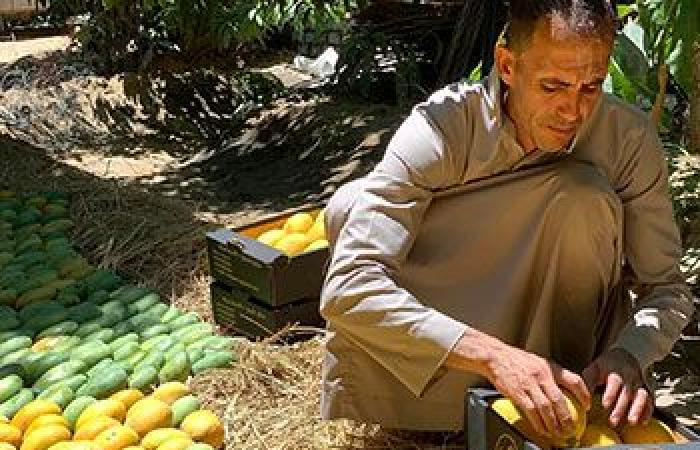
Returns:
point(474, 352)
point(631, 359)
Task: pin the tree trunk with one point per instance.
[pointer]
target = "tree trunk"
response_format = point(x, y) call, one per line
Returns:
point(694, 125)
point(658, 109)
point(463, 41)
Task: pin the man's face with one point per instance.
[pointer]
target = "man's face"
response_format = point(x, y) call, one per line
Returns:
point(553, 84)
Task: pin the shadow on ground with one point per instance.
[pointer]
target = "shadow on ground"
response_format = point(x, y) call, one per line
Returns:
point(230, 159)
point(245, 139)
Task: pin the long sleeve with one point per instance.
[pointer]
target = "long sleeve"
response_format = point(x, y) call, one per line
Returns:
point(360, 297)
point(652, 249)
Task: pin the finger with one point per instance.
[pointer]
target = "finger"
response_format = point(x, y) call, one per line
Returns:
point(574, 384)
point(648, 410)
point(613, 386)
point(545, 410)
point(532, 416)
point(621, 406)
point(559, 406)
point(639, 403)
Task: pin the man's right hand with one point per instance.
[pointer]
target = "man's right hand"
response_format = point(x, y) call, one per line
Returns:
point(530, 381)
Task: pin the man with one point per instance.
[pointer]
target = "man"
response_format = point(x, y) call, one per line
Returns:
point(498, 239)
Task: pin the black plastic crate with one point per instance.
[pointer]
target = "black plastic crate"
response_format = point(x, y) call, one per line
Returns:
point(237, 259)
point(486, 430)
point(238, 310)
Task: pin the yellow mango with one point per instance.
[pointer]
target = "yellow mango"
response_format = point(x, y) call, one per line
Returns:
point(204, 426)
point(32, 410)
point(108, 407)
point(271, 237)
point(10, 434)
point(654, 432)
point(321, 216)
point(155, 438)
point(45, 437)
point(599, 435)
point(75, 445)
point(148, 414)
point(298, 223)
point(93, 426)
point(507, 409)
point(171, 391)
point(127, 396)
point(117, 438)
point(292, 244)
point(316, 245)
point(178, 443)
point(316, 232)
point(47, 343)
point(47, 419)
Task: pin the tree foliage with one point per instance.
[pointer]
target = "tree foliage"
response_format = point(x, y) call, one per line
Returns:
point(128, 33)
point(660, 35)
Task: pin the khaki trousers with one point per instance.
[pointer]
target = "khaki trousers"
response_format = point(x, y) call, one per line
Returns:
point(531, 257)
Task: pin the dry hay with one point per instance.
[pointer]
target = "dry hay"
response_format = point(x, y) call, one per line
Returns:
point(270, 400)
point(148, 239)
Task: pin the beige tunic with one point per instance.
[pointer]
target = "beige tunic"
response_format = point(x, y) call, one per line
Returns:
point(457, 227)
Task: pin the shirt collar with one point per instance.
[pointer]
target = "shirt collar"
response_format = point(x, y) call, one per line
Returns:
point(494, 94)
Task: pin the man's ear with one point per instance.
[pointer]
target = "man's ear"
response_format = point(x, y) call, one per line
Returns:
point(505, 62)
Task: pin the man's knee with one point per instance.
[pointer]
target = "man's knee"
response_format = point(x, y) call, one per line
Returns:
point(583, 196)
point(338, 208)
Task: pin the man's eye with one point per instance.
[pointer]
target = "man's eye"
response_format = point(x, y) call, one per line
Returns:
point(549, 88)
point(591, 88)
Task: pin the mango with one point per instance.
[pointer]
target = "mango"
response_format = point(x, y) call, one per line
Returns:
point(298, 223)
point(654, 432)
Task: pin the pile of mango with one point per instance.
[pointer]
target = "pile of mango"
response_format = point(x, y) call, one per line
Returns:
point(591, 429)
point(300, 233)
point(170, 418)
point(71, 331)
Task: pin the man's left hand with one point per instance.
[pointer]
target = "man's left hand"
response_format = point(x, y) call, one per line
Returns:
point(625, 393)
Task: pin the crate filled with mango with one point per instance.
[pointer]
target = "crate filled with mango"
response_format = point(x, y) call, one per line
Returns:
point(301, 232)
point(268, 274)
point(499, 420)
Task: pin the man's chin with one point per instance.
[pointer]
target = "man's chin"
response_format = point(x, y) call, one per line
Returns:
point(554, 147)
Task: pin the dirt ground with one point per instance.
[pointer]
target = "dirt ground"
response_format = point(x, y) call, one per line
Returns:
point(147, 180)
point(12, 51)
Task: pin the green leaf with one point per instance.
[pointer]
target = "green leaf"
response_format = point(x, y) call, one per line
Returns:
point(475, 75)
point(631, 62)
point(625, 10)
point(686, 32)
point(621, 85)
point(635, 34)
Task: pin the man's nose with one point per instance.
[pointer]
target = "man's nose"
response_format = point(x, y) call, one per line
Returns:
point(570, 108)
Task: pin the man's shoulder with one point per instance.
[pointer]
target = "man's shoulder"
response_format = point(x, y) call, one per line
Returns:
point(454, 95)
point(453, 103)
point(626, 117)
